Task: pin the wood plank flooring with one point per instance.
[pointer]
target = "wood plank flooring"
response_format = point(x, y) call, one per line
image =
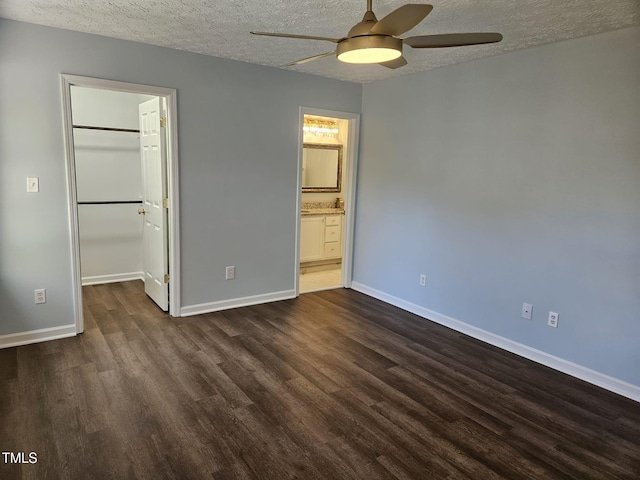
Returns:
point(332, 385)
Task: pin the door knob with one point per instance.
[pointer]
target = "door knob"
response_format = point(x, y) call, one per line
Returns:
point(141, 211)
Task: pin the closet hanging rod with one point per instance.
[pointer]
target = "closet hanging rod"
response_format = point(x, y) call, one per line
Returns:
point(110, 129)
point(110, 202)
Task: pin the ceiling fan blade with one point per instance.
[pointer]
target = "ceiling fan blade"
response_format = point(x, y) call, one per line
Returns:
point(309, 59)
point(397, 63)
point(452, 40)
point(401, 20)
point(291, 35)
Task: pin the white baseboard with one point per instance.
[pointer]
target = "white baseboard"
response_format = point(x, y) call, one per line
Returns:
point(236, 302)
point(35, 336)
point(583, 373)
point(113, 278)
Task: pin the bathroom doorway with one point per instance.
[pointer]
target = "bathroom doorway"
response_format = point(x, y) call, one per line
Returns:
point(327, 167)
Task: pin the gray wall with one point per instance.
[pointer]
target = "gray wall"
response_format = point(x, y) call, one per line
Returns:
point(507, 180)
point(238, 134)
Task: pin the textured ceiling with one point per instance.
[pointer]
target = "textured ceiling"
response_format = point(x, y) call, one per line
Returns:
point(221, 27)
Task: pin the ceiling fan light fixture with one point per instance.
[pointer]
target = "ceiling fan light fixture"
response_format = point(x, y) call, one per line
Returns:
point(371, 41)
point(369, 49)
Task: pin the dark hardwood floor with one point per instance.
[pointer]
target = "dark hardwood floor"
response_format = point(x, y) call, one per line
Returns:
point(332, 385)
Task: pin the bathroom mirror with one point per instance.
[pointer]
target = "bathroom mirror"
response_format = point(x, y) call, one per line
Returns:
point(321, 167)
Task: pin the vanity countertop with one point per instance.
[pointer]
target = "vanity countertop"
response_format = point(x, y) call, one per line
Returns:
point(321, 211)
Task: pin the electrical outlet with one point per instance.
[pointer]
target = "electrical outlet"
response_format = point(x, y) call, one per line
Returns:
point(423, 280)
point(40, 295)
point(230, 273)
point(527, 310)
point(553, 319)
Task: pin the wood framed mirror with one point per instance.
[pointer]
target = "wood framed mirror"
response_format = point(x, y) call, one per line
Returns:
point(321, 167)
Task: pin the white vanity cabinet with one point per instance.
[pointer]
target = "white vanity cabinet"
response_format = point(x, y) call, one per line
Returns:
point(311, 238)
point(333, 236)
point(320, 237)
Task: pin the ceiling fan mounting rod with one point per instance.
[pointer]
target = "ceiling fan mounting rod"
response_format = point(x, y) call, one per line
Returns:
point(369, 5)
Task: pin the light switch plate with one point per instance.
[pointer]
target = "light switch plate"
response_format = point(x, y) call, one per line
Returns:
point(33, 185)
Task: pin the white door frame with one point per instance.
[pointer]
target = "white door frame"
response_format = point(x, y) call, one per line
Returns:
point(170, 94)
point(350, 199)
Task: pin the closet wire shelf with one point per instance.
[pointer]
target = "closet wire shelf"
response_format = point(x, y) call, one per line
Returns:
point(123, 202)
point(109, 129)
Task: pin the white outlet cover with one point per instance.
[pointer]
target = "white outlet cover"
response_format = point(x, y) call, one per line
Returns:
point(40, 295)
point(527, 310)
point(553, 319)
point(230, 273)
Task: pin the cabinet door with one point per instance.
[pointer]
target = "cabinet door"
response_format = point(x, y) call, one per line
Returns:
point(311, 238)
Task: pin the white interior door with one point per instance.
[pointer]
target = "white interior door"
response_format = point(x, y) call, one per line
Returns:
point(154, 180)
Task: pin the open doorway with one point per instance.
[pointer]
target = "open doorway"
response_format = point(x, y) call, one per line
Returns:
point(327, 168)
point(122, 183)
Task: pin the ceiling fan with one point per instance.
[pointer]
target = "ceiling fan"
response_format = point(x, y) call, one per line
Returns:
point(376, 41)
